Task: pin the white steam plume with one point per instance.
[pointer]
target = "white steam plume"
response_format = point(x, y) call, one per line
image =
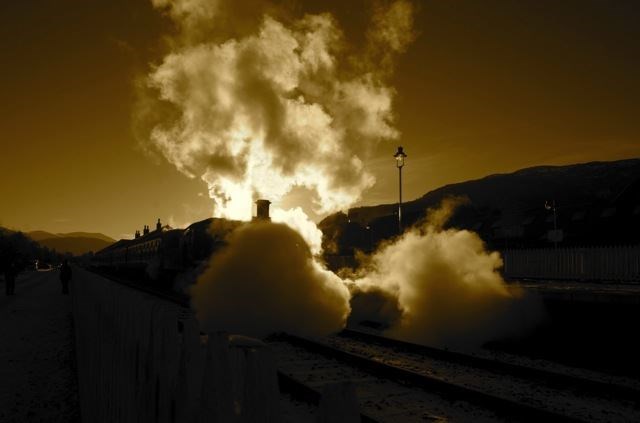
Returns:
point(256, 103)
point(255, 112)
point(441, 287)
point(257, 115)
point(298, 220)
point(266, 280)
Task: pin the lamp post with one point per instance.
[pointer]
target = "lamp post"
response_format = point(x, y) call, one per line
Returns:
point(552, 206)
point(370, 230)
point(400, 156)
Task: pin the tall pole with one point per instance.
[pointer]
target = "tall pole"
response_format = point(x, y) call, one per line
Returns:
point(400, 156)
point(555, 225)
point(400, 200)
point(552, 207)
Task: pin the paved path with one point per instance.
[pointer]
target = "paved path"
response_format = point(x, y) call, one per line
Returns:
point(37, 375)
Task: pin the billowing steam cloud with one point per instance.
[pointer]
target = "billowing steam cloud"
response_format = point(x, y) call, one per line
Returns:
point(288, 105)
point(266, 280)
point(256, 103)
point(440, 287)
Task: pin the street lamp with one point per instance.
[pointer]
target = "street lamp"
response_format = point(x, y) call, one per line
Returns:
point(552, 206)
point(370, 230)
point(400, 156)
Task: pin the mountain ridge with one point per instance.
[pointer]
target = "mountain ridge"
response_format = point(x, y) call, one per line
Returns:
point(546, 172)
point(76, 243)
point(596, 203)
point(38, 235)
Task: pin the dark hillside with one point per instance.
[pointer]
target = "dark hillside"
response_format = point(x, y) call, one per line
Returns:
point(74, 245)
point(596, 203)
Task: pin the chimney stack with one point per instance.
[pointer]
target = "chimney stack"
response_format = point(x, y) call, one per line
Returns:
point(262, 210)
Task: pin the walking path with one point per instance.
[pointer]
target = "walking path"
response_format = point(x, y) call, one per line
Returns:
point(37, 370)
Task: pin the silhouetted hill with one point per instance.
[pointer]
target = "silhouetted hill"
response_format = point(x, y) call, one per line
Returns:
point(95, 235)
point(74, 242)
point(597, 202)
point(18, 248)
point(39, 235)
point(74, 245)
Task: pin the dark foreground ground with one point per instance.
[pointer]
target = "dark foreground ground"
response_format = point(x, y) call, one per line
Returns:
point(37, 375)
point(587, 325)
point(588, 328)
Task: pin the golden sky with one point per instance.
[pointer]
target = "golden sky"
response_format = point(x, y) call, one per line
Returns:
point(485, 87)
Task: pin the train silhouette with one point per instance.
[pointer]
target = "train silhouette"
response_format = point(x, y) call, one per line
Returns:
point(165, 253)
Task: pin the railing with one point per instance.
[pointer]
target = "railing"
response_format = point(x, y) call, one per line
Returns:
point(607, 264)
point(143, 359)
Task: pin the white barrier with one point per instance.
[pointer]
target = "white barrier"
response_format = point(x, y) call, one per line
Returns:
point(142, 359)
point(615, 264)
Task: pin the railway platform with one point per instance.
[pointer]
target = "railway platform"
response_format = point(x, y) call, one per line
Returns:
point(582, 292)
point(37, 370)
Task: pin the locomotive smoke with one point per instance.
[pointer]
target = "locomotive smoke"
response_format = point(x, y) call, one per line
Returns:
point(285, 103)
point(266, 280)
point(256, 102)
point(441, 287)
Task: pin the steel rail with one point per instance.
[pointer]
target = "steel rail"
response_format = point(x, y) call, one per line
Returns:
point(501, 406)
point(577, 383)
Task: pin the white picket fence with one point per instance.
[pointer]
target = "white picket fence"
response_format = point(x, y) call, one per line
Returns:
point(615, 263)
point(143, 359)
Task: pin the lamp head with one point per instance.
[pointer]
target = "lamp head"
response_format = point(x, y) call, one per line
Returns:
point(400, 156)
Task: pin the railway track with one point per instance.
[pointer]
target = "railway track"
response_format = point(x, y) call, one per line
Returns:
point(553, 379)
point(407, 395)
point(400, 381)
point(572, 397)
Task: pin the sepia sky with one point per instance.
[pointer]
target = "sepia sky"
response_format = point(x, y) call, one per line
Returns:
point(485, 87)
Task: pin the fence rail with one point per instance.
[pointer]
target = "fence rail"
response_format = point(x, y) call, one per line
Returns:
point(614, 263)
point(143, 359)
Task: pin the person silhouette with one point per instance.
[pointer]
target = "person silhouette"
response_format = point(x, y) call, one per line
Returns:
point(65, 276)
